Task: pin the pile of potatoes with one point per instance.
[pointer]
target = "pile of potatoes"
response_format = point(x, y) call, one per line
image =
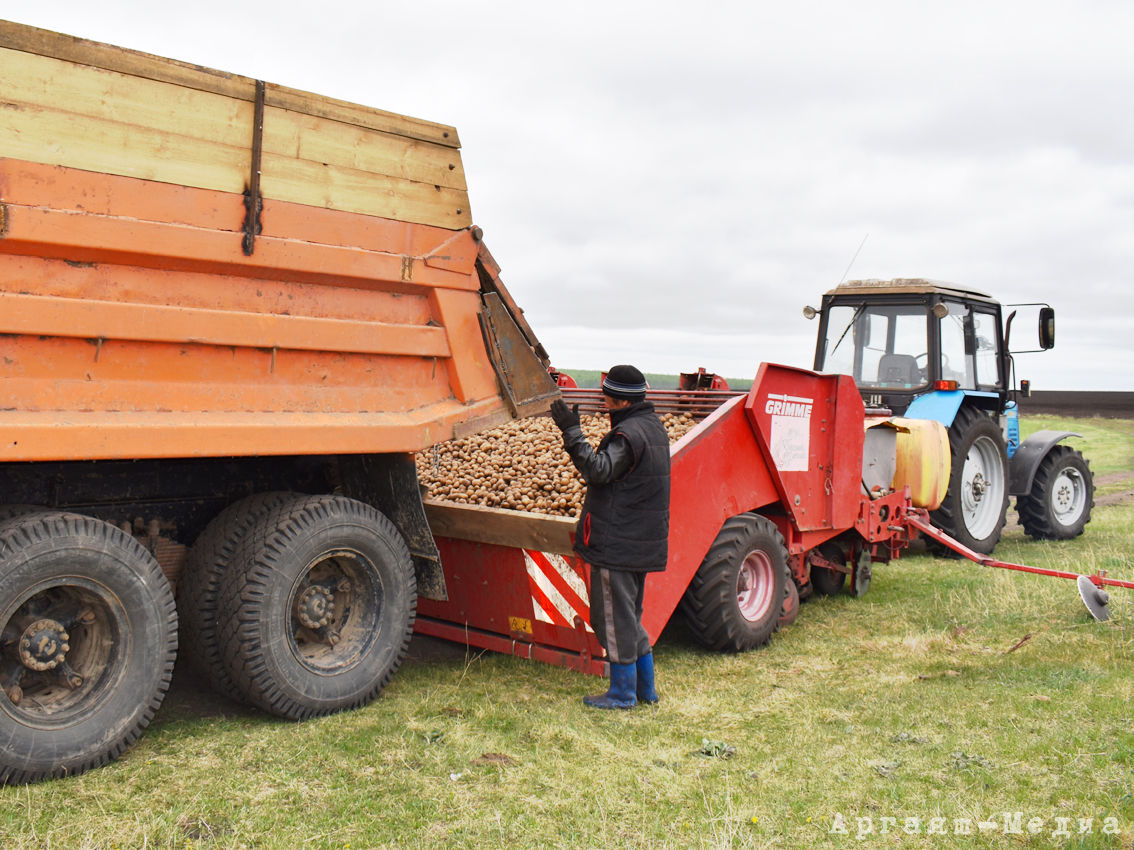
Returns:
point(521, 466)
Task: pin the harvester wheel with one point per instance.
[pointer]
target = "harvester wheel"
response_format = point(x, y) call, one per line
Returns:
point(89, 639)
point(200, 582)
point(790, 608)
point(825, 581)
point(976, 504)
point(1062, 495)
point(317, 609)
point(736, 596)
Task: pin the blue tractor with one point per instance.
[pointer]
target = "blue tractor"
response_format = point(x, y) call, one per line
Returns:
point(927, 350)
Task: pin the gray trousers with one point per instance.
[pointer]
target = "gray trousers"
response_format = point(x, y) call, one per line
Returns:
point(616, 614)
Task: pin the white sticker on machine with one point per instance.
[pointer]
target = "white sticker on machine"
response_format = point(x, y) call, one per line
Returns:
point(791, 431)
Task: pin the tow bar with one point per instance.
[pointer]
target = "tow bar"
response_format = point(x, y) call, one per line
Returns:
point(1090, 587)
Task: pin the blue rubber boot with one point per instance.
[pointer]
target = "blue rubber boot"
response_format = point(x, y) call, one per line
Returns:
point(645, 670)
point(623, 684)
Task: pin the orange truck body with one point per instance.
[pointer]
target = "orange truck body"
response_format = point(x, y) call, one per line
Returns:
point(133, 324)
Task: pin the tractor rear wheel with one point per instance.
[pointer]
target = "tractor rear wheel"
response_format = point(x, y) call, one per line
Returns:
point(317, 607)
point(1062, 495)
point(89, 640)
point(736, 596)
point(976, 504)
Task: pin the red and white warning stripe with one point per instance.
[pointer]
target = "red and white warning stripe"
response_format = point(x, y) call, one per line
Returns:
point(558, 591)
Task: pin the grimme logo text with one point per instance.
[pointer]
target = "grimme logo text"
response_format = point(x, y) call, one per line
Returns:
point(789, 405)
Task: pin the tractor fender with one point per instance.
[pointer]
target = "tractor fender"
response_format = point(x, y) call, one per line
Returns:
point(942, 405)
point(1023, 464)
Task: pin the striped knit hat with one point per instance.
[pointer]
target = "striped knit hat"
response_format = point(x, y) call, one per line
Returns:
point(624, 382)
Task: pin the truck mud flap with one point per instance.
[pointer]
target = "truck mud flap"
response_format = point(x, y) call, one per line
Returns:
point(389, 483)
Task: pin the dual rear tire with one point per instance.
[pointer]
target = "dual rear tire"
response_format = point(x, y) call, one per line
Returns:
point(317, 607)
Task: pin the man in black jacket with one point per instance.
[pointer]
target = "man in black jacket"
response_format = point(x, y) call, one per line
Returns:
point(623, 530)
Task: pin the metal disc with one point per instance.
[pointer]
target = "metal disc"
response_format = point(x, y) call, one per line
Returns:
point(860, 582)
point(1095, 598)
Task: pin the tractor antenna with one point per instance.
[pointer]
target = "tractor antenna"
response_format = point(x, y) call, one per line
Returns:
point(855, 257)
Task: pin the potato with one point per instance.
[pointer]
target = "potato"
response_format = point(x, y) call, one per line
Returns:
point(519, 466)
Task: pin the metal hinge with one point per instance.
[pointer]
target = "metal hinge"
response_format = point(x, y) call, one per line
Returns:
point(253, 202)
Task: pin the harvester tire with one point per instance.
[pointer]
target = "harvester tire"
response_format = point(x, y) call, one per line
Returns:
point(976, 503)
point(90, 630)
point(199, 585)
point(825, 581)
point(1058, 507)
point(736, 596)
point(317, 609)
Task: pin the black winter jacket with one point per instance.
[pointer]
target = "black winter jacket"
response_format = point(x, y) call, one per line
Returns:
point(624, 524)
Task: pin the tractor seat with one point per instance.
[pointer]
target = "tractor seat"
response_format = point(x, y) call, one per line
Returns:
point(898, 369)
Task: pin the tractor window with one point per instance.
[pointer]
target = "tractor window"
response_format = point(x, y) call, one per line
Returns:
point(956, 365)
point(880, 345)
point(984, 332)
point(844, 327)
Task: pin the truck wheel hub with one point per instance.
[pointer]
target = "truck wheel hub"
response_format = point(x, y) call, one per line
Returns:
point(315, 607)
point(44, 645)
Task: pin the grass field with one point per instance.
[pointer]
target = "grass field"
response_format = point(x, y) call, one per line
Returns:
point(953, 706)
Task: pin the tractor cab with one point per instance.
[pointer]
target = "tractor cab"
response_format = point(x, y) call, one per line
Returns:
point(904, 339)
point(926, 350)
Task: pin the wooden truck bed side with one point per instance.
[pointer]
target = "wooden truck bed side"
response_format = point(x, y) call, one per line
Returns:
point(101, 108)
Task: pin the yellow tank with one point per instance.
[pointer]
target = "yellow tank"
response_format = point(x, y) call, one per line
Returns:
point(922, 460)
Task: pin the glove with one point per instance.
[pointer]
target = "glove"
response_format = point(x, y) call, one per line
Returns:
point(565, 417)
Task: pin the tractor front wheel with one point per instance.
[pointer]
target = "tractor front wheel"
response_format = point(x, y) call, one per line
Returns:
point(736, 597)
point(1062, 495)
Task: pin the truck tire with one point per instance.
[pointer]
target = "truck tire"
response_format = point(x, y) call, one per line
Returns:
point(14, 511)
point(1058, 507)
point(976, 503)
point(89, 642)
point(736, 596)
point(317, 609)
point(199, 585)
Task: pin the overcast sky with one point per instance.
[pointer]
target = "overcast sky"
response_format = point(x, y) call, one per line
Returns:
point(668, 184)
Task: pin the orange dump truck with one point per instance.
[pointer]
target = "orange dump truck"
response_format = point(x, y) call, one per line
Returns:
point(216, 294)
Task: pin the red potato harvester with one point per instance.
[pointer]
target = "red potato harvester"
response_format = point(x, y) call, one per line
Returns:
point(786, 490)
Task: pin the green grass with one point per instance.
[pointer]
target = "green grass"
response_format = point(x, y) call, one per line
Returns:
point(949, 691)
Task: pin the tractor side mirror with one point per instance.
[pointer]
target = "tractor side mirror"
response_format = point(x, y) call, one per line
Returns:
point(1046, 328)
